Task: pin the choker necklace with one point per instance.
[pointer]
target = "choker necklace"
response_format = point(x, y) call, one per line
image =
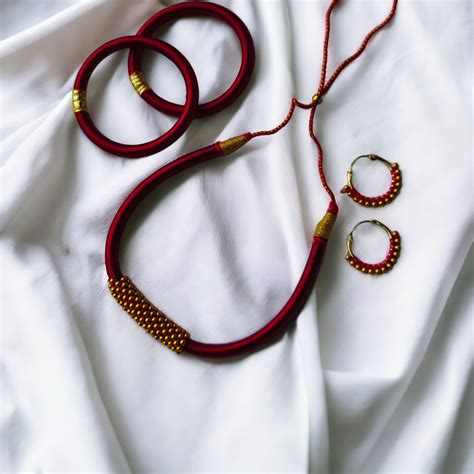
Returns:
point(154, 321)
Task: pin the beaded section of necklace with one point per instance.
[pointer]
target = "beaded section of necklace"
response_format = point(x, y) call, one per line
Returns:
point(146, 315)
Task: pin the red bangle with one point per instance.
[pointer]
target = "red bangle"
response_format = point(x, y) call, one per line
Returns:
point(187, 112)
point(194, 9)
point(155, 322)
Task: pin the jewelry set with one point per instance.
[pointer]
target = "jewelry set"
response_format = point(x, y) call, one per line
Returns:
point(131, 299)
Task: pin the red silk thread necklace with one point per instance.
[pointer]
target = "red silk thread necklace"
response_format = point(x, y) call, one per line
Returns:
point(154, 321)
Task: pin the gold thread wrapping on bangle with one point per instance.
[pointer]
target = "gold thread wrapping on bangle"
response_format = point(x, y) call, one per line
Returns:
point(138, 82)
point(232, 144)
point(79, 101)
point(325, 225)
point(146, 315)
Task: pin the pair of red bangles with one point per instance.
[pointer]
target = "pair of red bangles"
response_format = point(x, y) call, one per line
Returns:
point(140, 309)
point(191, 108)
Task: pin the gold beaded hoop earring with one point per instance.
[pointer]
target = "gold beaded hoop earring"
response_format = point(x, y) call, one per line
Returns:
point(375, 201)
point(375, 268)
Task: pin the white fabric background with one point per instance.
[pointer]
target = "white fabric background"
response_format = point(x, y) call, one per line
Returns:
point(375, 375)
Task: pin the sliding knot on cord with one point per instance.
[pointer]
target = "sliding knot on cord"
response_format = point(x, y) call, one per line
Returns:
point(324, 86)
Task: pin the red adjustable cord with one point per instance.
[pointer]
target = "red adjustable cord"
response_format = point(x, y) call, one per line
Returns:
point(324, 87)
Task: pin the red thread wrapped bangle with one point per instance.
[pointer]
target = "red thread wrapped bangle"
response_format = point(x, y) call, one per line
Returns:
point(154, 321)
point(194, 9)
point(144, 149)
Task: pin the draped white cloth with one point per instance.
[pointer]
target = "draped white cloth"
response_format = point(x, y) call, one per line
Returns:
point(375, 375)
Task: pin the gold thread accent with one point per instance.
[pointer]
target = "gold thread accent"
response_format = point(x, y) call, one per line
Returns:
point(325, 225)
point(79, 101)
point(138, 82)
point(232, 144)
point(146, 315)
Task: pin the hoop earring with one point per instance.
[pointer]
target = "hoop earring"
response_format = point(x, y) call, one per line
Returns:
point(376, 201)
point(378, 268)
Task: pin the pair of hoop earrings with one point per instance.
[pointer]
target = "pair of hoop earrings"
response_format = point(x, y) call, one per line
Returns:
point(377, 201)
